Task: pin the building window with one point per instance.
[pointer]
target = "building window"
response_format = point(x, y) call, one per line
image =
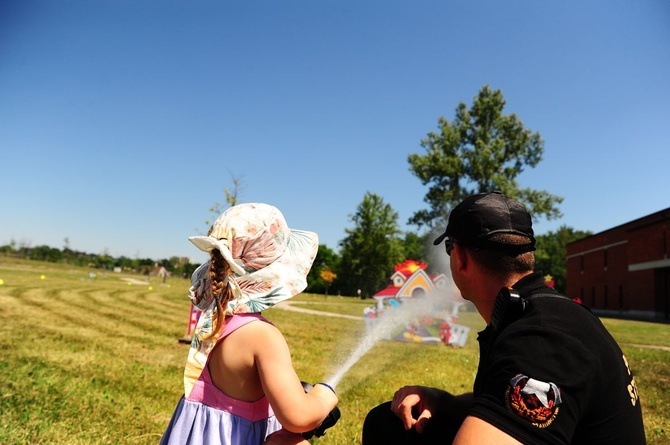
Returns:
point(593, 297)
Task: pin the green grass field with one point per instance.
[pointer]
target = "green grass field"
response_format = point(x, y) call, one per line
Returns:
point(97, 361)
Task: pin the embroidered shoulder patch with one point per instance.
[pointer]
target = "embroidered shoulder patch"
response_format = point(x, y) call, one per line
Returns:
point(533, 400)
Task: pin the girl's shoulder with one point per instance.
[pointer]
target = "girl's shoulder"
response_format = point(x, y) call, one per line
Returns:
point(262, 333)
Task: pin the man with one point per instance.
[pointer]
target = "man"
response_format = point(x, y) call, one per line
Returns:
point(549, 372)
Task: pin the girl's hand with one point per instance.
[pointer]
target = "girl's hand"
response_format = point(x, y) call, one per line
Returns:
point(285, 437)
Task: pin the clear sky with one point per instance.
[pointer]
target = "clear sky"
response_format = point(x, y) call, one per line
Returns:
point(123, 121)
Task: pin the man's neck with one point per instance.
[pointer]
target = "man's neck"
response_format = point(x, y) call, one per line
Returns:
point(489, 290)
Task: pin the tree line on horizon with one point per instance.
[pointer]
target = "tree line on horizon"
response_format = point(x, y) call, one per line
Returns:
point(177, 266)
point(332, 273)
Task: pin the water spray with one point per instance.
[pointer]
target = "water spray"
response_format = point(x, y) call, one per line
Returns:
point(382, 329)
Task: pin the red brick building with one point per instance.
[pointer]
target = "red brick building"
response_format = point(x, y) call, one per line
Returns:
point(624, 270)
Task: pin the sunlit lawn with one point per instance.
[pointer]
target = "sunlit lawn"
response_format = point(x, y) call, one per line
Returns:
point(97, 361)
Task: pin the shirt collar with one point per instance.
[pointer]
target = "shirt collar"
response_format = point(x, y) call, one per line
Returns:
point(532, 284)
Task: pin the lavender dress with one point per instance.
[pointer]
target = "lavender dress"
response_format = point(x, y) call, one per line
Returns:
point(208, 416)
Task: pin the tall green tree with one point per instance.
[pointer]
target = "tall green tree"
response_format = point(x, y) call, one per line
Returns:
point(371, 248)
point(550, 253)
point(482, 150)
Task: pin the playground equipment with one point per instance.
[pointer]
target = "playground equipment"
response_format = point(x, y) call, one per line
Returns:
point(459, 335)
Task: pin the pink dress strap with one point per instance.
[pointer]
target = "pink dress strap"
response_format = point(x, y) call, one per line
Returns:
point(237, 321)
point(206, 393)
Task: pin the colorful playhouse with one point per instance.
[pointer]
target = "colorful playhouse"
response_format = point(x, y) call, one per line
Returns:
point(410, 282)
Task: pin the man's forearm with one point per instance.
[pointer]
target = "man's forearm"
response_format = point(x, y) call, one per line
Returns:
point(455, 407)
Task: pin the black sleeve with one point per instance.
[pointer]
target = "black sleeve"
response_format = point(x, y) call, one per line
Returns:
point(535, 383)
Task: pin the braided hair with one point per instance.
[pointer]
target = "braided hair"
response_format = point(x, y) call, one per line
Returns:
point(219, 271)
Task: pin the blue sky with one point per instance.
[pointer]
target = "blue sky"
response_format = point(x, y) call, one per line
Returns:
point(122, 122)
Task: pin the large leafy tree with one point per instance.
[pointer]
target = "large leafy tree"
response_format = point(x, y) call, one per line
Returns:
point(371, 248)
point(481, 150)
point(550, 253)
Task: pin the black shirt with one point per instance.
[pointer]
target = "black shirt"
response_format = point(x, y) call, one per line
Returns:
point(551, 373)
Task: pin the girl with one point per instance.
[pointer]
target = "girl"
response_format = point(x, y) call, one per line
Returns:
point(239, 382)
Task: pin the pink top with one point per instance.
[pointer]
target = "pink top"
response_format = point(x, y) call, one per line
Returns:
point(206, 393)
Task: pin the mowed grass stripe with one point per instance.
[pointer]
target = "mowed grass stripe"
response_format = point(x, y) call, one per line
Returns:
point(62, 335)
point(80, 333)
point(92, 313)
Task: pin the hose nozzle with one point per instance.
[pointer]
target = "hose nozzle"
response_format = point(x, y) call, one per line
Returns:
point(330, 420)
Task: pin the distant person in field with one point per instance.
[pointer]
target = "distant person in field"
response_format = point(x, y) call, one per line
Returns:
point(549, 372)
point(239, 383)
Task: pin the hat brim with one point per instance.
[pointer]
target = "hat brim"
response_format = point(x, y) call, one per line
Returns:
point(204, 243)
point(439, 239)
point(283, 278)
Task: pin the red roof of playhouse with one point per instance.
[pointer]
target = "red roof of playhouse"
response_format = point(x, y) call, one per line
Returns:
point(411, 280)
point(389, 291)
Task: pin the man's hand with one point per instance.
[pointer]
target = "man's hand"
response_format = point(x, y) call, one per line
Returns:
point(285, 437)
point(420, 399)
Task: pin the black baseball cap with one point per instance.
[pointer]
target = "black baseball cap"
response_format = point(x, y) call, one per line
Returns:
point(478, 217)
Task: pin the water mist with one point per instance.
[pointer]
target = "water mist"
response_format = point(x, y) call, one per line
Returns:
point(393, 317)
point(382, 329)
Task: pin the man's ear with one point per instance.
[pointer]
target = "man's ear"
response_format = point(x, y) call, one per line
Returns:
point(460, 254)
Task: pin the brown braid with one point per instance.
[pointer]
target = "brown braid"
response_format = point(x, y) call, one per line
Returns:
point(218, 271)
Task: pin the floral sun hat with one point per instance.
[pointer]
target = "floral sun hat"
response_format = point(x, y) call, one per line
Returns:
point(270, 263)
